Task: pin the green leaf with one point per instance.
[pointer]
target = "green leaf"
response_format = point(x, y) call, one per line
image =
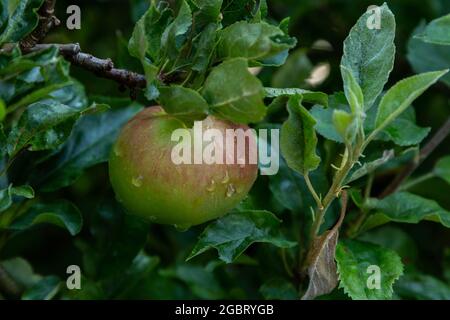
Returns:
point(427, 56)
point(140, 271)
point(308, 96)
point(401, 95)
point(234, 233)
point(405, 207)
point(146, 38)
point(394, 238)
point(117, 239)
point(21, 271)
point(39, 94)
point(15, 63)
point(437, 31)
point(5, 198)
point(353, 93)
point(405, 133)
point(261, 13)
point(325, 124)
point(234, 94)
point(23, 191)
point(174, 35)
point(89, 144)
point(290, 190)
point(422, 287)
point(442, 169)
point(141, 268)
point(205, 44)
point(43, 125)
point(7, 194)
point(278, 289)
point(324, 117)
point(201, 282)
point(22, 19)
point(145, 42)
point(369, 53)
point(236, 10)
point(298, 138)
point(2, 110)
point(295, 72)
point(354, 259)
point(206, 12)
point(369, 167)
point(3, 143)
point(61, 213)
point(183, 103)
point(346, 125)
point(44, 289)
point(254, 41)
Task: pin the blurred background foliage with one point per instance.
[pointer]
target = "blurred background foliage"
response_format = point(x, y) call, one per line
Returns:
point(110, 241)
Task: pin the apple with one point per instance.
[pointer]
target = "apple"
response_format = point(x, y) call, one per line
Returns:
point(149, 184)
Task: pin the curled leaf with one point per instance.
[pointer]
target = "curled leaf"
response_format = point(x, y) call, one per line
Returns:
point(322, 270)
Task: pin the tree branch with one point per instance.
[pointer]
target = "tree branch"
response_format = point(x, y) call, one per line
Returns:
point(434, 142)
point(100, 67)
point(72, 52)
point(47, 20)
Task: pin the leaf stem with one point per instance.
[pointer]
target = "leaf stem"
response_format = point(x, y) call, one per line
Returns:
point(368, 189)
point(411, 183)
point(313, 191)
point(334, 192)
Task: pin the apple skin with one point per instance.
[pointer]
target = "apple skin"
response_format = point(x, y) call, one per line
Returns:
point(149, 185)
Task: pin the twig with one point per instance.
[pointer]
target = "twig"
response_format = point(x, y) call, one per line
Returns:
point(72, 52)
point(105, 69)
point(344, 203)
point(437, 139)
point(335, 190)
point(70, 48)
point(47, 20)
point(100, 67)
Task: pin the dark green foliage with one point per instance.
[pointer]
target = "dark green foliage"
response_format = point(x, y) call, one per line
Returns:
point(58, 124)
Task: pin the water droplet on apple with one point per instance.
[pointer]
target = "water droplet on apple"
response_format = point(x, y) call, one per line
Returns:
point(117, 152)
point(230, 190)
point(181, 227)
point(137, 182)
point(212, 186)
point(226, 179)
